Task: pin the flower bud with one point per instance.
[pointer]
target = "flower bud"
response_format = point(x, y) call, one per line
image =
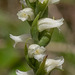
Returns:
point(36, 51)
point(48, 23)
point(26, 14)
point(51, 64)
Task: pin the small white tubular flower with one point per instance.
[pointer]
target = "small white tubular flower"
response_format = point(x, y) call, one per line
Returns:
point(51, 64)
point(26, 14)
point(23, 2)
point(47, 23)
point(31, 1)
point(53, 1)
point(25, 73)
point(34, 50)
point(21, 38)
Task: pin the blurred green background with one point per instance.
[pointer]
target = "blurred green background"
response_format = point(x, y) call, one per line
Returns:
point(62, 43)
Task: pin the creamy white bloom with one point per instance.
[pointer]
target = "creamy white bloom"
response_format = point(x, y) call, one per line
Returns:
point(31, 1)
point(47, 23)
point(39, 57)
point(21, 38)
point(25, 73)
point(36, 51)
point(26, 14)
point(51, 64)
point(23, 2)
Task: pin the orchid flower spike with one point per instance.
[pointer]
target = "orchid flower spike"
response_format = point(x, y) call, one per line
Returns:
point(23, 2)
point(25, 73)
point(26, 14)
point(51, 64)
point(36, 51)
point(31, 1)
point(21, 38)
point(48, 23)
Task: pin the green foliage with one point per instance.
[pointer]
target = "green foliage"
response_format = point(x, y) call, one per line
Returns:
point(41, 70)
point(27, 58)
point(34, 29)
point(46, 37)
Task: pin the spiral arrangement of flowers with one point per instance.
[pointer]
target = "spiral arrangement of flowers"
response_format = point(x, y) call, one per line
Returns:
point(41, 29)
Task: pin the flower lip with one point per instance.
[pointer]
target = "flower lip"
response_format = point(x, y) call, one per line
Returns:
point(21, 38)
point(35, 49)
point(47, 23)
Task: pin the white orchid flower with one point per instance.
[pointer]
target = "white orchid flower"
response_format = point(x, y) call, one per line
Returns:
point(47, 23)
point(23, 2)
point(31, 1)
point(26, 14)
point(36, 51)
point(21, 38)
point(49, 1)
point(39, 57)
point(51, 64)
point(25, 73)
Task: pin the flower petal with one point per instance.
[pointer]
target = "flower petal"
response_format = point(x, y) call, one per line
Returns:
point(47, 23)
point(21, 38)
point(51, 64)
point(35, 49)
point(39, 57)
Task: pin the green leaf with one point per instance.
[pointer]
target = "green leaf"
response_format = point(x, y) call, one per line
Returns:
point(35, 63)
point(41, 8)
point(44, 41)
point(34, 29)
point(27, 58)
point(41, 70)
point(45, 13)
